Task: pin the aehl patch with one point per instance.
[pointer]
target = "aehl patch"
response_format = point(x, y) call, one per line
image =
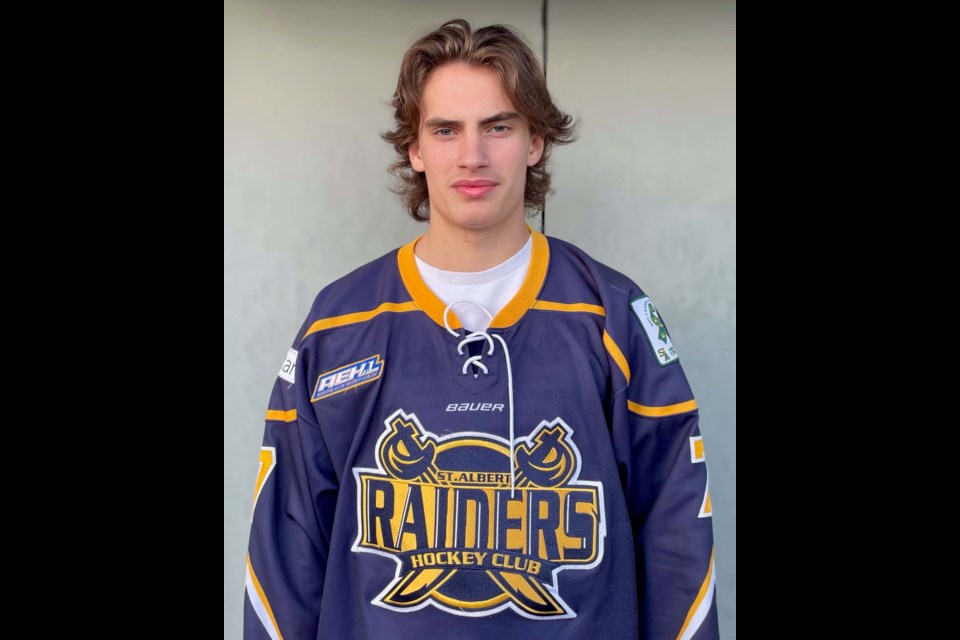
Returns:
point(347, 377)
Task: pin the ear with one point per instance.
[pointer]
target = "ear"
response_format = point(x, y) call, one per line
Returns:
point(536, 150)
point(413, 152)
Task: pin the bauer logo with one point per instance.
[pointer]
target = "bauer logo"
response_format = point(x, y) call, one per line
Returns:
point(468, 536)
point(347, 377)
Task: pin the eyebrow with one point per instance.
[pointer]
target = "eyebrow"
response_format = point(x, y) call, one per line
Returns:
point(433, 123)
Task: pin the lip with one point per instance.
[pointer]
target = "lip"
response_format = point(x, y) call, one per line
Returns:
point(473, 188)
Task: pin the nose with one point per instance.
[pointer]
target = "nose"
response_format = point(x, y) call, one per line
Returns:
point(473, 151)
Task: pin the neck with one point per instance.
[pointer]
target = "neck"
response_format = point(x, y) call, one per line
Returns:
point(454, 248)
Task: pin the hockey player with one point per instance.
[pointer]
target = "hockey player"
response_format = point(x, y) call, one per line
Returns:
point(484, 433)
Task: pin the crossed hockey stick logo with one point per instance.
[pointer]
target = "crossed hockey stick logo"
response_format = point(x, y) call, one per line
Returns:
point(466, 541)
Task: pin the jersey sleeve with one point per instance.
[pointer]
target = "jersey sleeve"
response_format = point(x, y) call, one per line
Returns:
point(294, 501)
point(660, 453)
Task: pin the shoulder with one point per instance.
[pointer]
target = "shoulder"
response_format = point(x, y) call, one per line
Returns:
point(362, 286)
point(364, 290)
point(572, 268)
point(634, 332)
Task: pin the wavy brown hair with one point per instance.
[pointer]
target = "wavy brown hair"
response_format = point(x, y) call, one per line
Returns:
point(500, 49)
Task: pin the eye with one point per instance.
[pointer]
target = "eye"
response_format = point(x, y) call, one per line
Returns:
point(442, 134)
point(503, 128)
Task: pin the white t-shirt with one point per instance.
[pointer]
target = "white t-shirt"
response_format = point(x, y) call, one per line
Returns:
point(492, 288)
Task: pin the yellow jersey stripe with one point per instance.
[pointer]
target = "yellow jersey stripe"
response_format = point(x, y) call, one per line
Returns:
point(544, 305)
point(616, 354)
point(423, 297)
point(263, 598)
point(268, 460)
point(282, 416)
point(532, 283)
point(662, 412)
point(701, 605)
point(360, 316)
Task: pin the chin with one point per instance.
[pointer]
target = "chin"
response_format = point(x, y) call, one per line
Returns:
point(479, 222)
point(480, 217)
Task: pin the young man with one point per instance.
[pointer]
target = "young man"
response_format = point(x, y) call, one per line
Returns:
point(485, 433)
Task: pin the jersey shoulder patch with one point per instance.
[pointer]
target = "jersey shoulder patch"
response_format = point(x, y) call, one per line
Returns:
point(288, 370)
point(656, 332)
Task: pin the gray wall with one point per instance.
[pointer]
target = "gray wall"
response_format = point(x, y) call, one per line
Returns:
point(649, 189)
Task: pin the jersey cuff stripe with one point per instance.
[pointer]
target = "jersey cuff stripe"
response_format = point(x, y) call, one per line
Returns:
point(282, 416)
point(570, 307)
point(701, 606)
point(360, 316)
point(616, 354)
point(260, 604)
point(662, 412)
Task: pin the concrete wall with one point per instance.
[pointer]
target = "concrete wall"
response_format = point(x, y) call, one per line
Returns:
point(649, 189)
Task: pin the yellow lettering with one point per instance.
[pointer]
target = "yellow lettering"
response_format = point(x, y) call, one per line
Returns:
point(534, 567)
point(416, 561)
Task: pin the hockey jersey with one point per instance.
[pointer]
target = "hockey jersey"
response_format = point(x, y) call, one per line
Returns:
point(542, 479)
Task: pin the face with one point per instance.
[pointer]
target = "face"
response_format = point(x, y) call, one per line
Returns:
point(474, 148)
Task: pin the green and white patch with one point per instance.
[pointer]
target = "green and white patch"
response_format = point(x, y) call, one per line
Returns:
point(660, 342)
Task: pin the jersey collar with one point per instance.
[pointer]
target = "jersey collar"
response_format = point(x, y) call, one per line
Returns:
point(427, 301)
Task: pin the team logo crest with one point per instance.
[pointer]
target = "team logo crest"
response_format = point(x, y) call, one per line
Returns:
point(466, 542)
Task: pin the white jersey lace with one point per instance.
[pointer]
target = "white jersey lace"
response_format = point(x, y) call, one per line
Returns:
point(477, 360)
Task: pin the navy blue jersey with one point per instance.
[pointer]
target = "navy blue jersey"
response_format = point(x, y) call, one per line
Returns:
point(542, 479)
